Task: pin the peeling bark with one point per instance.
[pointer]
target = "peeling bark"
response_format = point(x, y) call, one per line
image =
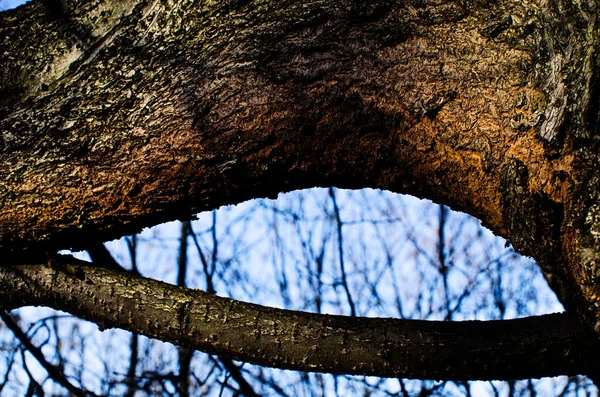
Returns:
point(116, 115)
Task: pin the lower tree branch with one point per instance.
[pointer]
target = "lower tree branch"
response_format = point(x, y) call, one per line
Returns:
point(550, 345)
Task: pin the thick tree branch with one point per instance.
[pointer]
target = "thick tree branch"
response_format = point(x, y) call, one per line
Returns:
point(116, 115)
point(549, 345)
point(457, 101)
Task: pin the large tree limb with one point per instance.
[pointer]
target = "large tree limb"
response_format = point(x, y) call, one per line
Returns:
point(548, 345)
point(116, 115)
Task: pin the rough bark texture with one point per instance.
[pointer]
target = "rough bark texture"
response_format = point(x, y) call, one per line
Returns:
point(117, 115)
point(533, 347)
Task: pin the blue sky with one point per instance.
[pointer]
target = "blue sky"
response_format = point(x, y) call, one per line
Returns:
point(8, 4)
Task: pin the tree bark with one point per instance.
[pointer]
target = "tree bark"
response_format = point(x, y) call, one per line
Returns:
point(116, 115)
point(532, 347)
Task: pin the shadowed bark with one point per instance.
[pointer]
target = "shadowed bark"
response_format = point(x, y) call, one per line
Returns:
point(510, 349)
point(116, 115)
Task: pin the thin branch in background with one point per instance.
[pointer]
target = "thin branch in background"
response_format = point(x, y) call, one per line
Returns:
point(279, 256)
point(245, 388)
point(101, 256)
point(133, 359)
point(182, 257)
point(132, 247)
point(10, 361)
point(205, 266)
point(318, 278)
point(338, 220)
point(443, 214)
point(59, 357)
point(213, 261)
point(224, 383)
point(271, 383)
point(55, 373)
point(33, 388)
point(134, 342)
point(184, 353)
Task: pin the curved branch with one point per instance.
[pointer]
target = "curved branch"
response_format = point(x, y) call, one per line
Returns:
point(129, 114)
point(548, 345)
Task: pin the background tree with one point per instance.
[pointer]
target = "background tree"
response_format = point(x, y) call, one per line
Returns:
point(119, 115)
